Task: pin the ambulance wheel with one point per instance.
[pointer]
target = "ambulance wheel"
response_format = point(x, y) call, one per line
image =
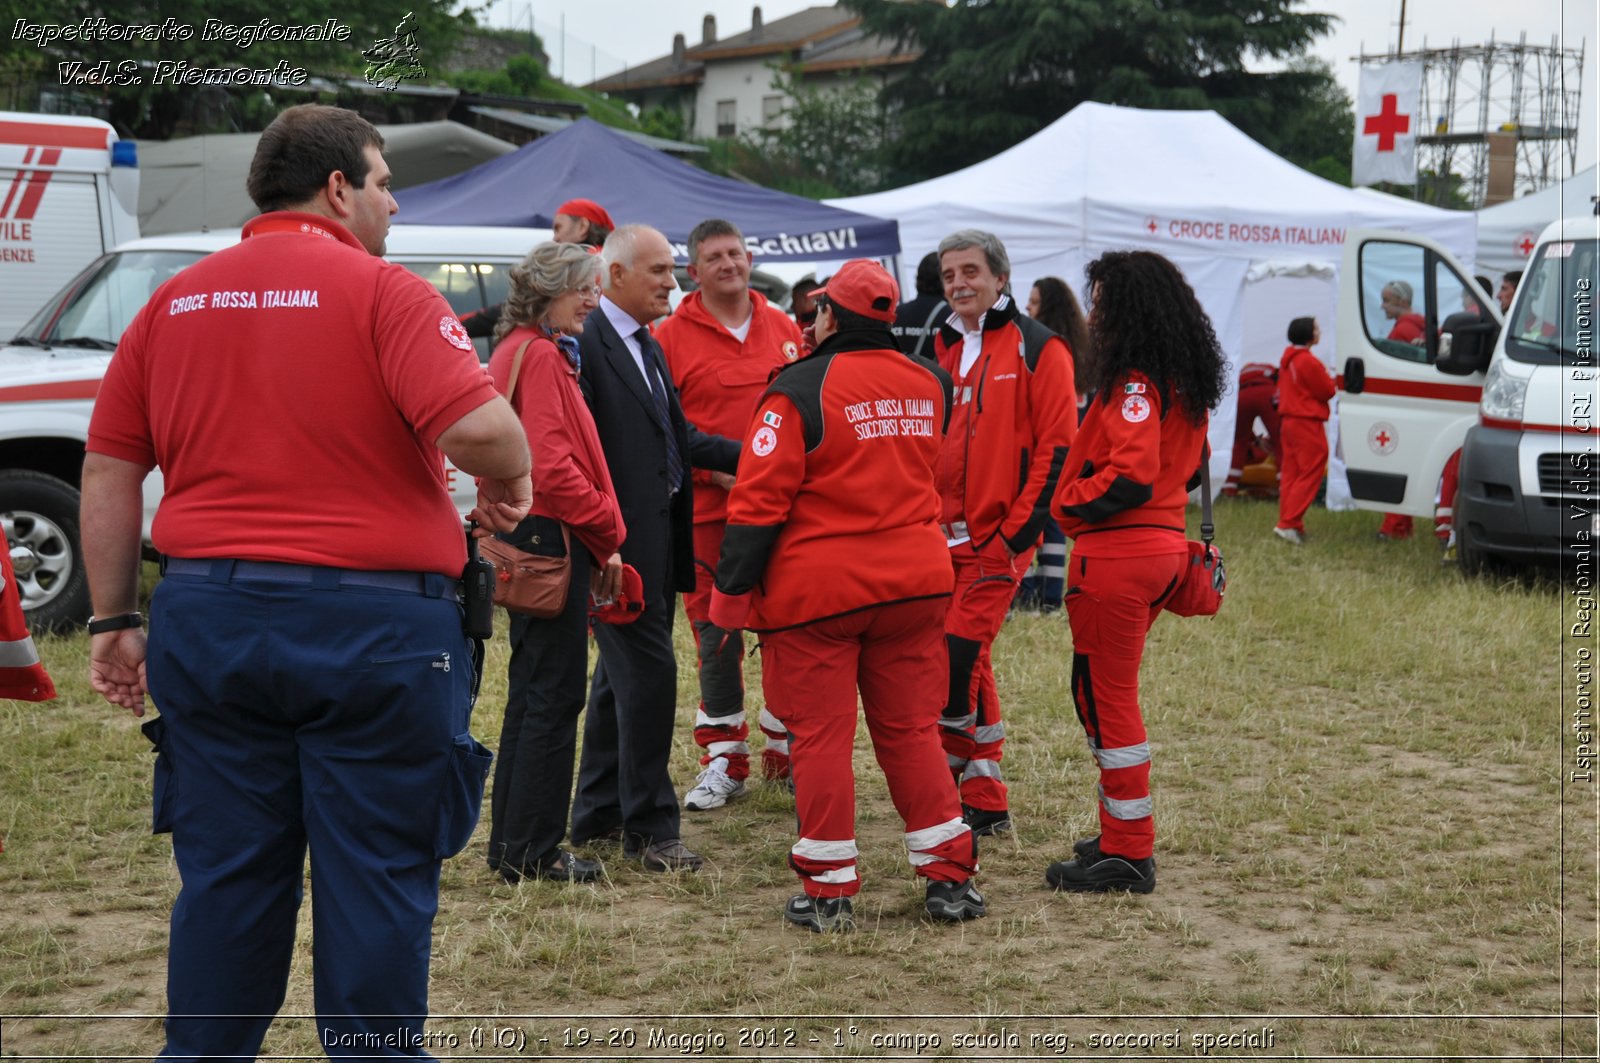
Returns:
point(40, 515)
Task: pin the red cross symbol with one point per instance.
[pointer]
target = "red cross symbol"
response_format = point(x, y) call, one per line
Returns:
point(1525, 245)
point(1387, 123)
point(1382, 438)
point(1151, 225)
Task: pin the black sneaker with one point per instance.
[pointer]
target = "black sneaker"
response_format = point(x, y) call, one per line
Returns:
point(1092, 871)
point(820, 914)
point(985, 822)
point(951, 902)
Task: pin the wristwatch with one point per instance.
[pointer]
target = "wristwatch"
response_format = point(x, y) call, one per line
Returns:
point(98, 625)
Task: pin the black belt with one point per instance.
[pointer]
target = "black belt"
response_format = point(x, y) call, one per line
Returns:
point(229, 570)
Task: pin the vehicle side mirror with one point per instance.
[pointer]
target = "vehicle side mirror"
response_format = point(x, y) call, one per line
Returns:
point(1355, 376)
point(1465, 343)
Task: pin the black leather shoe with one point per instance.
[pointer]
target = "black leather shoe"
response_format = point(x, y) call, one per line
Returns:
point(557, 866)
point(1093, 871)
point(562, 866)
point(820, 914)
point(985, 822)
point(952, 902)
point(667, 854)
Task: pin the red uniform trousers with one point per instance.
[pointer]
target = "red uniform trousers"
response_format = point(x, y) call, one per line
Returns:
point(1111, 603)
point(1444, 511)
point(1303, 457)
point(1256, 399)
point(973, 734)
point(719, 725)
point(811, 674)
point(1399, 526)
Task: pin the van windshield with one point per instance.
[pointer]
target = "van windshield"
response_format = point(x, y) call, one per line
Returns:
point(95, 309)
point(1552, 322)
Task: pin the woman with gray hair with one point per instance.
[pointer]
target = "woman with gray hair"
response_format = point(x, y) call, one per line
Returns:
point(535, 364)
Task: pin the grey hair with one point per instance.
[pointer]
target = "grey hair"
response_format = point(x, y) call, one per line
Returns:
point(993, 249)
point(550, 271)
point(620, 247)
point(1400, 288)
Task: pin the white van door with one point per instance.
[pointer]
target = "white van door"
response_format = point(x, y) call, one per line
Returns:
point(1403, 410)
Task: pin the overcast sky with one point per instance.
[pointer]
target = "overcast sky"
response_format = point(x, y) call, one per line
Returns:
point(601, 35)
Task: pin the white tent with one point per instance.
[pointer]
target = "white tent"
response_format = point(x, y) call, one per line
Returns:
point(1507, 231)
point(1259, 238)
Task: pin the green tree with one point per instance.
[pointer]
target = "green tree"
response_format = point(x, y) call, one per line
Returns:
point(830, 142)
point(993, 72)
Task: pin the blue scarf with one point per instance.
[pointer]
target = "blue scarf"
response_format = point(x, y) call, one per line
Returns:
point(569, 347)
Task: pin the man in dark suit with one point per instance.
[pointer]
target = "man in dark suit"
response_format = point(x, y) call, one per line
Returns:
point(623, 785)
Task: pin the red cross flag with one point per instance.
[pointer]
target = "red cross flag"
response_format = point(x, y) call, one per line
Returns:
point(1387, 121)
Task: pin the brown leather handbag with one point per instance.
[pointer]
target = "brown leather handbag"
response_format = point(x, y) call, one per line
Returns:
point(529, 584)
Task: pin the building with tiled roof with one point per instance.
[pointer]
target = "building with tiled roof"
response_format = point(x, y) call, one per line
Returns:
point(727, 86)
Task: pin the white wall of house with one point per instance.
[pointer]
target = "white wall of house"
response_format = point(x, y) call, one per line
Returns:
point(747, 83)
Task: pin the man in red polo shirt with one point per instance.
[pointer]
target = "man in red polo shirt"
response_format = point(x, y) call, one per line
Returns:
point(722, 345)
point(1014, 415)
point(306, 646)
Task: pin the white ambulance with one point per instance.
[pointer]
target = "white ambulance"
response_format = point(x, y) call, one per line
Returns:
point(1515, 393)
point(69, 192)
point(51, 370)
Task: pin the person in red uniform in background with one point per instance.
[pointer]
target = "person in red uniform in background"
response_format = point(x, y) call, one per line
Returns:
point(1409, 327)
point(577, 221)
point(833, 553)
point(1014, 415)
point(1258, 399)
point(1304, 388)
point(1158, 370)
point(722, 345)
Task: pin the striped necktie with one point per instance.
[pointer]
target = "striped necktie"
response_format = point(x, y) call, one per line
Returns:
point(655, 376)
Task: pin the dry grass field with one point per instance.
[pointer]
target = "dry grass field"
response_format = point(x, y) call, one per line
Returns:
point(1369, 847)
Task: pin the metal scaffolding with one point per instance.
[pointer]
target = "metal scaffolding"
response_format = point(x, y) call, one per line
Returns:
point(1470, 93)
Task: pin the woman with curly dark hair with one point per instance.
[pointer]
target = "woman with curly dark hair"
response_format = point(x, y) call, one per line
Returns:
point(1157, 372)
point(1052, 304)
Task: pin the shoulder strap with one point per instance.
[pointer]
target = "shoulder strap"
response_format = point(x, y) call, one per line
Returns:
point(1034, 337)
point(927, 327)
point(516, 370)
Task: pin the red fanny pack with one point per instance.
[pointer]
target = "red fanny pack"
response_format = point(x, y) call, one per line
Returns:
point(1199, 591)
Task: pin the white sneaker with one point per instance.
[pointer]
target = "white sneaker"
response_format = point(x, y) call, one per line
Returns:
point(713, 789)
point(1289, 535)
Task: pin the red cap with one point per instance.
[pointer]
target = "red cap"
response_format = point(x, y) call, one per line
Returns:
point(863, 287)
point(627, 605)
point(587, 208)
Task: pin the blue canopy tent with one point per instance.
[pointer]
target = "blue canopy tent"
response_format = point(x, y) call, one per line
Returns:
point(637, 184)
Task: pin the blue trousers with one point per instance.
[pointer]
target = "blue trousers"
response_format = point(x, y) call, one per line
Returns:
point(1045, 584)
point(296, 717)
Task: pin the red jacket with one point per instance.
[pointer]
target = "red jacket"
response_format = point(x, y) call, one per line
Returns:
point(1013, 417)
point(1304, 386)
point(1129, 473)
point(834, 510)
point(1408, 328)
point(719, 379)
point(570, 480)
point(22, 676)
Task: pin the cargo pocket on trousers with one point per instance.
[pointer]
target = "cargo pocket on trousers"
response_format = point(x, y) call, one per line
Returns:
point(462, 797)
point(163, 787)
